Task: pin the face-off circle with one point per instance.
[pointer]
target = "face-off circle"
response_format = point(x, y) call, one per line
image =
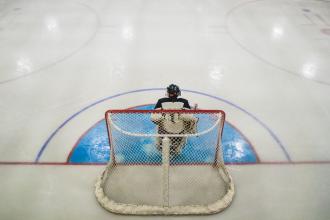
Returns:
point(273, 39)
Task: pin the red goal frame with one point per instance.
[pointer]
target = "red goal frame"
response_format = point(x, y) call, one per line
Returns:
point(188, 111)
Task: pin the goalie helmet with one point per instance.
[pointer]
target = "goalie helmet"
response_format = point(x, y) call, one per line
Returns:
point(174, 89)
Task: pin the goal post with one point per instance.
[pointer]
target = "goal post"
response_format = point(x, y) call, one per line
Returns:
point(165, 162)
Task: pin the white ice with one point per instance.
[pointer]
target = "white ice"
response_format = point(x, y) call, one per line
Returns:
point(265, 62)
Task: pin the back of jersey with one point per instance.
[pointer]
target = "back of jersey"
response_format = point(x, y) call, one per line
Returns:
point(172, 105)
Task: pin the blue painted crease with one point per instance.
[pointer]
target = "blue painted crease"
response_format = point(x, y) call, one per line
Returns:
point(94, 147)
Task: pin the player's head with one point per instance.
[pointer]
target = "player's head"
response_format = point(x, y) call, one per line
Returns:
point(173, 90)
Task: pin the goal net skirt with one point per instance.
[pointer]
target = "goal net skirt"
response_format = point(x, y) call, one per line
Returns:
point(165, 162)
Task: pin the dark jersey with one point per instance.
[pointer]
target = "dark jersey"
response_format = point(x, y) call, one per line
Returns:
point(173, 99)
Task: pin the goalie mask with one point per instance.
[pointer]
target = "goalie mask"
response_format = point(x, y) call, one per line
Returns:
point(174, 89)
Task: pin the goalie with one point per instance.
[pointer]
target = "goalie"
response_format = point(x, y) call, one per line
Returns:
point(174, 123)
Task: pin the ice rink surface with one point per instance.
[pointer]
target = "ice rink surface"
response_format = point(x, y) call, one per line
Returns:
point(264, 62)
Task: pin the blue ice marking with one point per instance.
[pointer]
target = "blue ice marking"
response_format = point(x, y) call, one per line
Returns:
point(93, 147)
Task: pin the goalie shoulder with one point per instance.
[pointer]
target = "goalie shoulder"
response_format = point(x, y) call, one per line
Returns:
point(164, 101)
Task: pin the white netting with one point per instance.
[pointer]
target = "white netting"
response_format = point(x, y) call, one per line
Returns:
point(165, 162)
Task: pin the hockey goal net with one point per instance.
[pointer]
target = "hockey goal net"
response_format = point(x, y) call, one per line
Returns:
point(165, 162)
